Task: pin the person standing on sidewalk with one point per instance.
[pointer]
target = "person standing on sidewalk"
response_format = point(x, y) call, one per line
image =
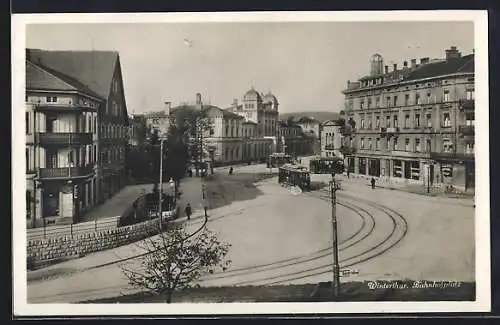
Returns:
point(188, 211)
point(373, 183)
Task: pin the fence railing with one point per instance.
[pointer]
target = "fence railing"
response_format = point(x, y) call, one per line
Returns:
point(73, 229)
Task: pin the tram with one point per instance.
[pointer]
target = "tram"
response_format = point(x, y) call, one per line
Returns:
point(326, 165)
point(278, 159)
point(295, 175)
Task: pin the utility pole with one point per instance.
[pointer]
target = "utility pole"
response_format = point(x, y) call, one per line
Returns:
point(336, 268)
point(160, 190)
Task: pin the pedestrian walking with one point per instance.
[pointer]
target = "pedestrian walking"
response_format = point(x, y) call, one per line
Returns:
point(348, 173)
point(188, 211)
point(373, 183)
point(230, 170)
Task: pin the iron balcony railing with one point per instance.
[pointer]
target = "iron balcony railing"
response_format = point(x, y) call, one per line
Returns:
point(451, 156)
point(466, 103)
point(64, 107)
point(66, 138)
point(466, 129)
point(65, 172)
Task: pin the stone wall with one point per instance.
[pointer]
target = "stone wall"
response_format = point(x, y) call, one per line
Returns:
point(39, 250)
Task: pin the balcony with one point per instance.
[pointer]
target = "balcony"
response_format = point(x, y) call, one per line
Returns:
point(466, 104)
point(346, 151)
point(329, 147)
point(466, 130)
point(62, 107)
point(391, 131)
point(63, 138)
point(347, 130)
point(451, 156)
point(65, 172)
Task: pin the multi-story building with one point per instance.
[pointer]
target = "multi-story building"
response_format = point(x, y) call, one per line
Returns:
point(76, 126)
point(292, 139)
point(158, 121)
point(331, 138)
point(311, 128)
point(137, 131)
point(231, 138)
point(414, 123)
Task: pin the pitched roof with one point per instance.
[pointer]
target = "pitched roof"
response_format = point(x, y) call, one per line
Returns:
point(206, 108)
point(440, 68)
point(94, 69)
point(42, 78)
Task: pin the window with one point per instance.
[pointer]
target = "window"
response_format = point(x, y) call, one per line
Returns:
point(377, 122)
point(428, 145)
point(369, 102)
point(446, 120)
point(407, 99)
point(407, 121)
point(369, 123)
point(51, 99)
point(417, 145)
point(417, 98)
point(377, 144)
point(417, 121)
point(407, 144)
point(396, 124)
point(395, 100)
point(428, 98)
point(469, 148)
point(370, 143)
point(27, 121)
point(361, 104)
point(227, 131)
point(428, 118)
point(469, 118)
point(447, 146)
point(388, 122)
point(470, 94)
point(362, 123)
point(27, 159)
point(388, 101)
point(446, 96)
point(395, 144)
point(28, 204)
point(377, 102)
point(362, 144)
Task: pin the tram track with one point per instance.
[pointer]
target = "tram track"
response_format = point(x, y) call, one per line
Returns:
point(396, 234)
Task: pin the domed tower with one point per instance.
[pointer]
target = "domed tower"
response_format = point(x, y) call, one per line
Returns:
point(271, 100)
point(252, 99)
point(377, 64)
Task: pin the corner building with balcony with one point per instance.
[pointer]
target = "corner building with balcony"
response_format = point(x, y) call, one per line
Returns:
point(76, 133)
point(415, 123)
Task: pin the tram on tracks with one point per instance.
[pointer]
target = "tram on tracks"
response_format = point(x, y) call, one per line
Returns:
point(326, 165)
point(278, 159)
point(295, 175)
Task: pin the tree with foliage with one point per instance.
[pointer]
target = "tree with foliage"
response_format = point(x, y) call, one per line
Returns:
point(174, 260)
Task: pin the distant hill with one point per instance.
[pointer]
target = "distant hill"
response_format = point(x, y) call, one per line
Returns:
point(320, 116)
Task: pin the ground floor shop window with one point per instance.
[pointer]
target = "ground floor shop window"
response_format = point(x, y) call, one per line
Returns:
point(350, 165)
point(50, 203)
point(362, 166)
point(374, 167)
point(398, 168)
point(414, 170)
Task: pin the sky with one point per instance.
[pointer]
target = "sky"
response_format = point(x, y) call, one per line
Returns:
point(305, 65)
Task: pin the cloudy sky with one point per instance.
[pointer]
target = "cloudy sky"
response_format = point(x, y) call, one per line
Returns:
point(305, 64)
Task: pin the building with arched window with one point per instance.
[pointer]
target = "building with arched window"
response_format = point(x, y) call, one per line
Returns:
point(414, 123)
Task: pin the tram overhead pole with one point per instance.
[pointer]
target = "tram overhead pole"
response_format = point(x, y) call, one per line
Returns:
point(334, 187)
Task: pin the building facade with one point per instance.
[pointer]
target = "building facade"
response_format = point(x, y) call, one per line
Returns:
point(331, 139)
point(157, 122)
point(415, 123)
point(76, 133)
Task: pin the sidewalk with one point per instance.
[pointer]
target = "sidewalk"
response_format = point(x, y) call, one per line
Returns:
point(191, 192)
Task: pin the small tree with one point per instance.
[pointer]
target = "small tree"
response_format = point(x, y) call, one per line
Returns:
point(174, 260)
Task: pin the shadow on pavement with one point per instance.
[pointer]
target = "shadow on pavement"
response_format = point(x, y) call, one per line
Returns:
point(222, 189)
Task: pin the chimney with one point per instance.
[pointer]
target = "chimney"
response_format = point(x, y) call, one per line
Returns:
point(198, 101)
point(405, 64)
point(348, 83)
point(235, 102)
point(424, 60)
point(395, 66)
point(413, 63)
point(168, 107)
point(452, 53)
point(386, 69)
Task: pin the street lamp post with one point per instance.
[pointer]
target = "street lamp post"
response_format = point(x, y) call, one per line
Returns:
point(334, 186)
